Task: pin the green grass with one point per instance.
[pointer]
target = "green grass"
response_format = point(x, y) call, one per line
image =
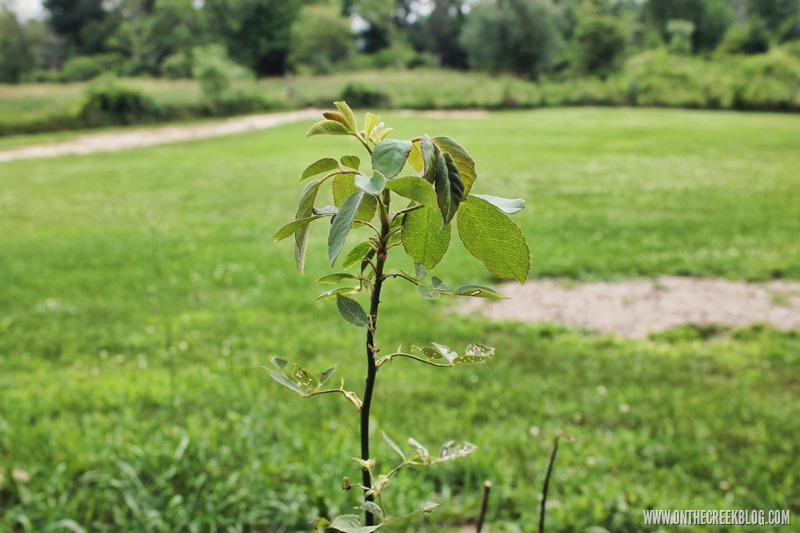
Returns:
point(142, 293)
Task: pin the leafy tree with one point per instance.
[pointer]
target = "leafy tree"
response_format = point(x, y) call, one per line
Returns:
point(751, 38)
point(781, 17)
point(16, 54)
point(711, 19)
point(601, 41)
point(321, 39)
point(516, 36)
point(150, 32)
point(256, 33)
point(439, 33)
point(85, 25)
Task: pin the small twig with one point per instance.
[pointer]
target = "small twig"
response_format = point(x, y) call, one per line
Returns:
point(547, 479)
point(487, 486)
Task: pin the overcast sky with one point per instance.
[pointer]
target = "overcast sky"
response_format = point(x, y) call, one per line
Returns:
point(27, 9)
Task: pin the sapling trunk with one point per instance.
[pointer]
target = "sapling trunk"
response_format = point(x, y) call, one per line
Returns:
point(372, 368)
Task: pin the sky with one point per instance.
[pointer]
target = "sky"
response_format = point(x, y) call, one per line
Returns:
point(27, 9)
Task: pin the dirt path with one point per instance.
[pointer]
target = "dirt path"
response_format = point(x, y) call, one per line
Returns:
point(635, 308)
point(139, 137)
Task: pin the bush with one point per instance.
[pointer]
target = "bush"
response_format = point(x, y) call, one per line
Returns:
point(215, 71)
point(111, 104)
point(360, 95)
point(601, 41)
point(177, 66)
point(83, 68)
point(750, 39)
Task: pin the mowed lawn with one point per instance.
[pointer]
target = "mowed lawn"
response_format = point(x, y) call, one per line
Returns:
point(141, 294)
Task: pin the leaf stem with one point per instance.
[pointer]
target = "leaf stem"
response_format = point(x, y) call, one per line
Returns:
point(389, 357)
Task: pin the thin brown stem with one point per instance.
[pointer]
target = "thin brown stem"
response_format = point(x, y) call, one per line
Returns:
point(372, 368)
point(487, 486)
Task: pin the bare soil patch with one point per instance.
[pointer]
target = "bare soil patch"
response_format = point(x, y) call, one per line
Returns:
point(638, 307)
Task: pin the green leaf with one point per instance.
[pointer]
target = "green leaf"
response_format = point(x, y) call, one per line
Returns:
point(465, 163)
point(428, 151)
point(291, 227)
point(373, 185)
point(351, 523)
point(478, 291)
point(370, 121)
point(506, 205)
point(371, 507)
point(428, 293)
point(420, 271)
point(389, 157)
point(325, 164)
point(422, 239)
point(330, 293)
point(328, 127)
point(393, 445)
point(335, 278)
point(305, 208)
point(490, 236)
point(301, 376)
point(328, 210)
point(343, 187)
point(326, 375)
point(351, 161)
point(338, 117)
point(286, 382)
point(474, 353)
point(352, 311)
point(348, 114)
point(438, 284)
point(446, 352)
point(442, 184)
point(456, 186)
point(341, 224)
point(415, 189)
point(415, 158)
point(356, 254)
point(452, 450)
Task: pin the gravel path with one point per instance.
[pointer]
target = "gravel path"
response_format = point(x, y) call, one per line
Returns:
point(638, 307)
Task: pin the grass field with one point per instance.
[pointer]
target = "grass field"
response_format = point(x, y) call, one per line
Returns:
point(141, 294)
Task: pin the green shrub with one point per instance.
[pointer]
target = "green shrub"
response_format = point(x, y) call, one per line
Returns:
point(361, 95)
point(750, 39)
point(83, 68)
point(112, 104)
point(215, 71)
point(177, 66)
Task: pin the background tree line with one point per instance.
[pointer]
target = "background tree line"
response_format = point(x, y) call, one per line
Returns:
point(79, 39)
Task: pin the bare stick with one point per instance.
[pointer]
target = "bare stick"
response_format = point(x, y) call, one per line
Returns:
point(487, 486)
point(547, 479)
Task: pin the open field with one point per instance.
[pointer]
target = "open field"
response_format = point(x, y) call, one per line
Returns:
point(142, 293)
